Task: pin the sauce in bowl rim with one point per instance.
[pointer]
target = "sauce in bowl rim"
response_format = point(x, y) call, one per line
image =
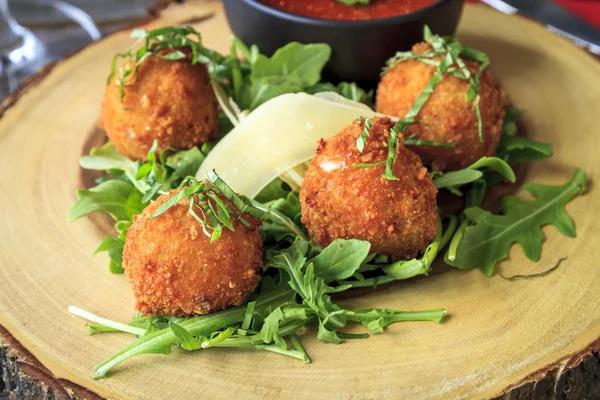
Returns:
point(338, 11)
point(415, 15)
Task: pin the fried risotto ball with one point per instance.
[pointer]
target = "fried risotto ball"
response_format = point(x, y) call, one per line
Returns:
point(398, 217)
point(174, 269)
point(170, 101)
point(446, 116)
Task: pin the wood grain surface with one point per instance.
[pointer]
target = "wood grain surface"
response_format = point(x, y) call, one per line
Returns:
point(524, 339)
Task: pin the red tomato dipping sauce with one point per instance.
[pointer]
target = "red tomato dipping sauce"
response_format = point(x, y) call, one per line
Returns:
point(333, 9)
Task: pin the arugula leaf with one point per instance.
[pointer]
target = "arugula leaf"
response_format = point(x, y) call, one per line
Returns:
point(311, 288)
point(281, 218)
point(341, 259)
point(186, 340)
point(116, 198)
point(490, 236)
point(402, 269)
point(509, 124)
point(303, 61)
point(457, 178)
point(109, 243)
point(454, 179)
point(349, 90)
point(275, 190)
point(288, 206)
point(281, 316)
point(473, 198)
point(405, 269)
point(186, 162)
point(377, 319)
point(107, 158)
point(517, 149)
point(114, 246)
point(293, 68)
point(160, 341)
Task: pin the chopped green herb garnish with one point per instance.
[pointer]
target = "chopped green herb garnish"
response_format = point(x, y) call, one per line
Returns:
point(450, 51)
point(393, 145)
point(171, 39)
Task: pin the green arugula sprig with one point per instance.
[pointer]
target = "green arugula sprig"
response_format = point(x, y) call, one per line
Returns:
point(349, 90)
point(379, 272)
point(129, 188)
point(254, 79)
point(294, 292)
point(516, 149)
point(485, 238)
point(486, 172)
point(455, 179)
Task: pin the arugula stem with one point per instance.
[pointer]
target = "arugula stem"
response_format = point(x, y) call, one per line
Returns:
point(399, 316)
point(258, 342)
point(298, 346)
point(371, 282)
point(281, 219)
point(204, 325)
point(456, 239)
point(106, 322)
point(245, 341)
point(276, 349)
point(449, 231)
point(544, 273)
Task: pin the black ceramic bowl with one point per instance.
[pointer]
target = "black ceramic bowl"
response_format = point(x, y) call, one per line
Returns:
point(359, 48)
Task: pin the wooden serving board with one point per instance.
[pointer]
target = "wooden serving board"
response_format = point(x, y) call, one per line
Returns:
point(524, 339)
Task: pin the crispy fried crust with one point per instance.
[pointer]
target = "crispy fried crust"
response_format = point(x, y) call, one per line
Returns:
point(171, 101)
point(446, 116)
point(398, 217)
point(175, 270)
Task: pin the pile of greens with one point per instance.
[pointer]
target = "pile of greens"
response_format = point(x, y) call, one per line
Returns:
point(299, 277)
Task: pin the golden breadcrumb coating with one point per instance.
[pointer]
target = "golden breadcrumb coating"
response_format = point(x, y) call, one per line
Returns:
point(398, 217)
point(446, 116)
point(170, 101)
point(175, 270)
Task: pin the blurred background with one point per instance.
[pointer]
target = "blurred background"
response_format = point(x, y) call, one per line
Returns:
point(34, 33)
point(42, 31)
